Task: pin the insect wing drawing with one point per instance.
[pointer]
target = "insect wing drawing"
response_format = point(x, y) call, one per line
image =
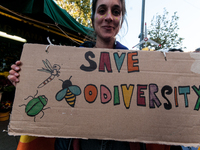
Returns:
point(54, 71)
point(61, 94)
point(69, 92)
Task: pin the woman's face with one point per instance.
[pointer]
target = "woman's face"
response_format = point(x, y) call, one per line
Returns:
point(107, 19)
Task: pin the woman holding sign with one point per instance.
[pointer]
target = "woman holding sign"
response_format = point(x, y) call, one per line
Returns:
point(107, 19)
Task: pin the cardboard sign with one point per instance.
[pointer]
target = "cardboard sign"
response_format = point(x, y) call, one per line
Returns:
point(112, 94)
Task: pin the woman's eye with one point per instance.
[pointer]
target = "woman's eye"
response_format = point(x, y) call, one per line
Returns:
point(116, 12)
point(101, 11)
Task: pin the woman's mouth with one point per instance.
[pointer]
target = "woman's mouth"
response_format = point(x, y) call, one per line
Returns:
point(108, 27)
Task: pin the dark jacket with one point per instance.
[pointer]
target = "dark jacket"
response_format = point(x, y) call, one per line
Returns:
point(89, 44)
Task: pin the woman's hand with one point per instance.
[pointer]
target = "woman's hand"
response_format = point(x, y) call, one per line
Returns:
point(14, 75)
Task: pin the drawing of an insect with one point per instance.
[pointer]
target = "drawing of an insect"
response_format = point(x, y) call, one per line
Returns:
point(69, 92)
point(54, 71)
point(35, 105)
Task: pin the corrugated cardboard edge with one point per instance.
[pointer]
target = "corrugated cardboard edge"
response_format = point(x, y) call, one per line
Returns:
point(12, 133)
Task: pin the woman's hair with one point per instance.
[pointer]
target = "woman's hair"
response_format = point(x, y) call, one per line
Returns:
point(94, 5)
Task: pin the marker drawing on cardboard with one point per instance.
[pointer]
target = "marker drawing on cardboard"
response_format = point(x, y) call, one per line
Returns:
point(120, 95)
point(35, 105)
point(69, 92)
point(54, 71)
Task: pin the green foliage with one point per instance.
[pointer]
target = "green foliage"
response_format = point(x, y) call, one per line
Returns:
point(164, 31)
point(78, 9)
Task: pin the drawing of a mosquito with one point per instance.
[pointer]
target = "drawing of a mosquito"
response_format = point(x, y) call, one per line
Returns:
point(54, 71)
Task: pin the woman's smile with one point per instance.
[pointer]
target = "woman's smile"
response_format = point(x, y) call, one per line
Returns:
point(108, 27)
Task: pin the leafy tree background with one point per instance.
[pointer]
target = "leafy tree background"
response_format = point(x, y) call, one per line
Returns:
point(163, 30)
point(78, 9)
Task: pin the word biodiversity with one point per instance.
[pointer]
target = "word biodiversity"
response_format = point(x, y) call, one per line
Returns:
point(91, 91)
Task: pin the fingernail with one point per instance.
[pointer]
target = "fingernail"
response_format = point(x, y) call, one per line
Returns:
point(16, 74)
point(16, 68)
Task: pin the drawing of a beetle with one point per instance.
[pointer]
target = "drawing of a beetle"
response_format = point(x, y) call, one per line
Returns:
point(35, 105)
point(54, 71)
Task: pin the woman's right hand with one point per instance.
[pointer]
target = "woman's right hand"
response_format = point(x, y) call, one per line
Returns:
point(14, 73)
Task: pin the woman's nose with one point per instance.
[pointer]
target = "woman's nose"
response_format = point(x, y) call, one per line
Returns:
point(109, 17)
